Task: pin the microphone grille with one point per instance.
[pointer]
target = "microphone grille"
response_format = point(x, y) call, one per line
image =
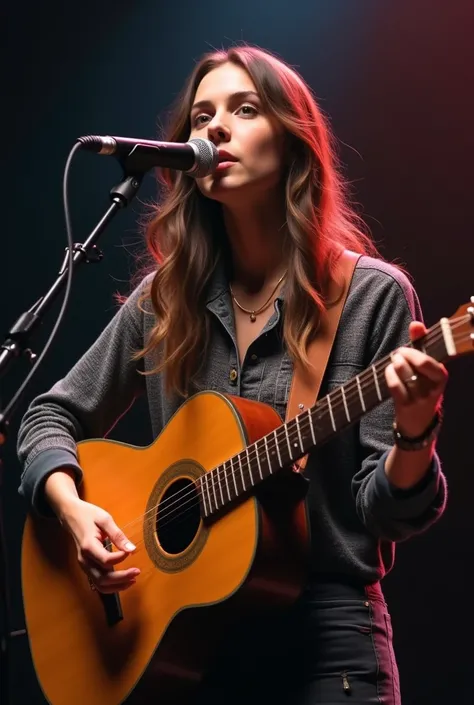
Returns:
point(207, 157)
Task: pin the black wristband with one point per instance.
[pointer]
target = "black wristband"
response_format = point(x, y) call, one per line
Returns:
point(421, 441)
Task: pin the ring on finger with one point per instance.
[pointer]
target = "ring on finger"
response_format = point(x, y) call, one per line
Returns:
point(412, 379)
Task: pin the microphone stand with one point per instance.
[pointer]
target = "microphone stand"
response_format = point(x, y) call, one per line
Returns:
point(16, 344)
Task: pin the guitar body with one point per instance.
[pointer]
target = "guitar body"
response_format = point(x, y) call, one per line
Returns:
point(153, 642)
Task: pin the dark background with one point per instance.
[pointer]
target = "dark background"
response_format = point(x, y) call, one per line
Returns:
point(396, 78)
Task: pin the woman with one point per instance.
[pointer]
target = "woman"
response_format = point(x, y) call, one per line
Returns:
point(246, 256)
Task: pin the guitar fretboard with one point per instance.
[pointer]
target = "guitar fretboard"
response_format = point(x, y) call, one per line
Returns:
point(336, 411)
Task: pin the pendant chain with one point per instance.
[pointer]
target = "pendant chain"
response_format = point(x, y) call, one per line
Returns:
point(254, 313)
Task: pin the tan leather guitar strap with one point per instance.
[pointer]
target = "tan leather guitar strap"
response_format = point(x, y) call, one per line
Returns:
point(305, 385)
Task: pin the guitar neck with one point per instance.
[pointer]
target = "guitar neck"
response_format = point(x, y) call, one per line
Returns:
point(292, 440)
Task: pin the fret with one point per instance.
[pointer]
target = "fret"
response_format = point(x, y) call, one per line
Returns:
point(344, 401)
point(294, 424)
point(261, 455)
point(319, 418)
point(299, 433)
point(241, 472)
point(214, 489)
point(361, 396)
point(218, 477)
point(288, 442)
point(268, 455)
point(249, 466)
point(257, 453)
point(376, 380)
point(205, 477)
point(333, 423)
point(232, 472)
point(277, 447)
point(203, 495)
point(226, 482)
point(310, 416)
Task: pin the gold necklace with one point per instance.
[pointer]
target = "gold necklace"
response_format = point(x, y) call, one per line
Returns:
point(254, 313)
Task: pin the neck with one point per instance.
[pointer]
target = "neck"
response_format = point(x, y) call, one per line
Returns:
point(287, 443)
point(257, 239)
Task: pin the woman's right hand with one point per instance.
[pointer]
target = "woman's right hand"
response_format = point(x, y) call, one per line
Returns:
point(90, 526)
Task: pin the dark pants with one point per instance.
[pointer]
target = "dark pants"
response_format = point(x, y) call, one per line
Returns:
point(333, 647)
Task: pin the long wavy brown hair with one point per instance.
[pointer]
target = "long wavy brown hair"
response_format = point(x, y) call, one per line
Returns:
point(184, 233)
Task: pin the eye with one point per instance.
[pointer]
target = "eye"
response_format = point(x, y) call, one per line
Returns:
point(199, 120)
point(248, 110)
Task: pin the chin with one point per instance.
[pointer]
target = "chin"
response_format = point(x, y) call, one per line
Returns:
point(226, 189)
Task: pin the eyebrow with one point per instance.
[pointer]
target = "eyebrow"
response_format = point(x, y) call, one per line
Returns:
point(240, 95)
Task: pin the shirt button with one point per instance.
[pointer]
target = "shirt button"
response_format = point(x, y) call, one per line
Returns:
point(233, 376)
point(253, 357)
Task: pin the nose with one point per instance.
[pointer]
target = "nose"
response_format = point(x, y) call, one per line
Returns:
point(217, 132)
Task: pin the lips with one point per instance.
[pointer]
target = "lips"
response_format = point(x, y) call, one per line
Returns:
point(226, 156)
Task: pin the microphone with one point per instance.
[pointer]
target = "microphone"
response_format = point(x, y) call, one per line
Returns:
point(198, 157)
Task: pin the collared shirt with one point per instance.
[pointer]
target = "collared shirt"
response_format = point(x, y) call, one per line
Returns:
point(355, 515)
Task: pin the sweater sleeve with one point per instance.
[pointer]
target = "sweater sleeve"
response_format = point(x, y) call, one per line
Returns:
point(388, 512)
point(86, 403)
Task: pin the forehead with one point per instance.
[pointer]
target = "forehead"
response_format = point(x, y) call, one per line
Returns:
point(223, 81)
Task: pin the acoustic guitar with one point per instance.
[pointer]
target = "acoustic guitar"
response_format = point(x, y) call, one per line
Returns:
point(218, 515)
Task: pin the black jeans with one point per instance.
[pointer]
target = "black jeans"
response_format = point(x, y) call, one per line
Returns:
point(334, 647)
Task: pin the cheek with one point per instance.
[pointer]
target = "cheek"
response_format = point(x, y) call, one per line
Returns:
point(264, 150)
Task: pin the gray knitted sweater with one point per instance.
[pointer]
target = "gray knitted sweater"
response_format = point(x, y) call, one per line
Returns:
point(355, 515)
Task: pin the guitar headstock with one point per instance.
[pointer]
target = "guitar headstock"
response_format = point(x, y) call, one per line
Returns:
point(461, 326)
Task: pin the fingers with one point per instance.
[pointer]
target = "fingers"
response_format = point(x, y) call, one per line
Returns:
point(98, 562)
point(101, 573)
point(115, 534)
point(111, 581)
point(409, 361)
point(90, 526)
point(416, 330)
point(95, 551)
point(395, 374)
point(413, 376)
point(100, 569)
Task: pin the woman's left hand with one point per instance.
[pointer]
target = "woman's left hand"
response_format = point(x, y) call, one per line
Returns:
point(416, 382)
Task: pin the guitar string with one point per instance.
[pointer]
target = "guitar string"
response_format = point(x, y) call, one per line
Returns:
point(247, 478)
point(178, 497)
point(151, 569)
point(173, 515)
point(271, 445)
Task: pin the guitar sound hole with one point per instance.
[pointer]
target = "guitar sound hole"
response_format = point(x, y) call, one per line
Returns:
point(179, 516)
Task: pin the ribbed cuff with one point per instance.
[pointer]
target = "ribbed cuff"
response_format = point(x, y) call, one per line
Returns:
point(406, 504)
point(34, 477)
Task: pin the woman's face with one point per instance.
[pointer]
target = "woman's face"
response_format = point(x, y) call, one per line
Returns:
point(228, 111)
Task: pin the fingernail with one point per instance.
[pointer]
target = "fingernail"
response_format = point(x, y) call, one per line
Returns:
point(129, 546)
